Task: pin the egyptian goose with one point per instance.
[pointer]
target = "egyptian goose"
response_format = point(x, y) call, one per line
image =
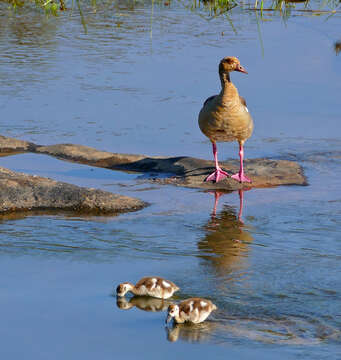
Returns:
point(225, 117)
point(149, 286)
point(194, 310)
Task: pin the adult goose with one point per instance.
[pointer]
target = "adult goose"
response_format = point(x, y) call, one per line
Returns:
point(225, 117)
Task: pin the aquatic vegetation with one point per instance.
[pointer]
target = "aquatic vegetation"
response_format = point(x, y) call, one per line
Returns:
point(282, 7)
point(50, 7)
point(213, 8)
point(286, 7)
point(208, 9)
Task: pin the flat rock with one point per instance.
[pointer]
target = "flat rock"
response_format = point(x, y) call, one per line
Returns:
point(11, 145)
point(185, 171)
point(181, 171)
point(86, 155)
point(192, 173)
point(25, 192)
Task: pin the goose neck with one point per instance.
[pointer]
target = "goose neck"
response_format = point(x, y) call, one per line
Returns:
point(225, 79)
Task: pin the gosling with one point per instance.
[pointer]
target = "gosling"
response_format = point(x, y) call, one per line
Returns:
point(149, 286)
point(194, 310)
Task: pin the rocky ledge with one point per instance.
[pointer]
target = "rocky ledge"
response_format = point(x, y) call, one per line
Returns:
point(184, 171)
point(20, 192)
point(181, 171)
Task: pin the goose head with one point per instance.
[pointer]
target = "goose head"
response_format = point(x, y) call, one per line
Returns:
point(229, 64)
point(173, 311)
point(123, 288)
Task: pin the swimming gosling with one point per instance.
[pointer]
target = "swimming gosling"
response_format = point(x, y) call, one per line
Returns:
point(194, 310)
point(149, 286)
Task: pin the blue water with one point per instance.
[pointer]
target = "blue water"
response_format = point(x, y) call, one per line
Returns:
point(275, 275)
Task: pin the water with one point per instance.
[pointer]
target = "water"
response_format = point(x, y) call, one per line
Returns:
point(275, 275)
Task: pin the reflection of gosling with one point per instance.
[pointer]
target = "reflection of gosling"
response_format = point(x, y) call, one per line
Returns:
point(149, 286)
point(192, 333)
point(194, 310)
point(144, 303)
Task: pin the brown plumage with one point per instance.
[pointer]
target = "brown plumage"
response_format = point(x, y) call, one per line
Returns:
point(225, 117)
point(193, 310)
point(149, 286)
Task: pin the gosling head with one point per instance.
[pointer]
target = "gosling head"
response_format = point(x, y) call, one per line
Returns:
point(230, 63)
point(123, 288)
point(172, 312)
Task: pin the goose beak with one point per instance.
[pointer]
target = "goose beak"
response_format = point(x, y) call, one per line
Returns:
point(241, 69)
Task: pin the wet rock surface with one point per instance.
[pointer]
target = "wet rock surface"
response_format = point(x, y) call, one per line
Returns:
point(184, 171)
point(180, 171)
point(12, 146)
point(19, 192)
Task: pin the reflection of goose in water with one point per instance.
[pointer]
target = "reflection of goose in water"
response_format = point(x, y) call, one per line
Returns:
point(218, 194)
point(225, 242)
point(191, 332)
point(145, 303)
point(224, 246)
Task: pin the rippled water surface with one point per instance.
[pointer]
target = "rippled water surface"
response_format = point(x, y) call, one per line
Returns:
point(134, 85)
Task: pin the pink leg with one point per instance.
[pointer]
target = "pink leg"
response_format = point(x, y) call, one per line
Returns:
point(218, 174)
point(240, 175)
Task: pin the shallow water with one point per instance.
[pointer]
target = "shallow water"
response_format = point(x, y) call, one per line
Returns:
point(275, 275)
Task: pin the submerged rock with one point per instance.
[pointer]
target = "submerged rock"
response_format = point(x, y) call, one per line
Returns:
point(181, 171)
point(25, 192)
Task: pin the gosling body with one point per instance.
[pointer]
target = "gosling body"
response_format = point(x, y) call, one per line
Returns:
point(194, 310)
point(149, 286)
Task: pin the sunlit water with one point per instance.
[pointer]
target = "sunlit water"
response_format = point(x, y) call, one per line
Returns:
point(275, 275)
